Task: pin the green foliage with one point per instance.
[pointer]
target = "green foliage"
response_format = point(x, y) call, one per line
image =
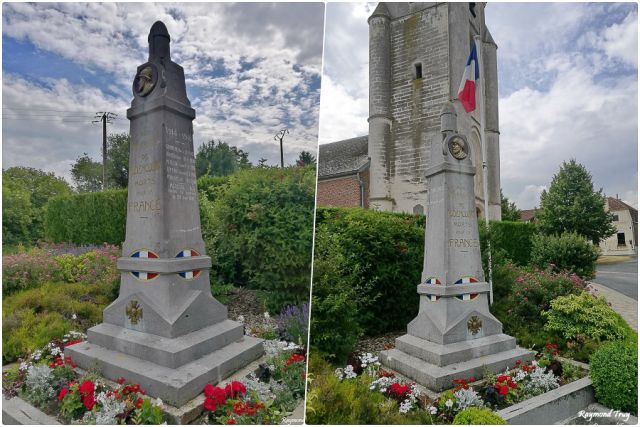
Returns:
point(87, 174)
point(87, 218)
point(335, 319)
point(30, 319)
point(26, 270)
point(567, 252)
point(210, 186)
point(582, 314)
point(572, 205)
point(514, 239)
point(71, 406)
point(220, 159)
point(331, 401)
point(25, 192)
point(510, 211)
point(147, 414)
point(378, 255)
point(478, 416)
point(259, 233)
point(118, 160)
point(614, 371)
point(306, 159)
point(289, 374)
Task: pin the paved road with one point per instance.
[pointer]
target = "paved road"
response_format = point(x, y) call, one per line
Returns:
point(621, 277)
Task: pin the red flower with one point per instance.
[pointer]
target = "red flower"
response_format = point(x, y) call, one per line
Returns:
point(231, 421)
point(218, 395)
point(398, 389)
point(387, 374)
point(518, 362)
point(238, 408)
point(68, 343)
point(88, 401)
point(235, 389)
point(294, 358)
point(120, 380)
point(139, 403)
point(504, 390)
point(472, 379)
point(86, 388)
point(63, 393)
point(210, 404)
point(551, 346)
point(208, 390)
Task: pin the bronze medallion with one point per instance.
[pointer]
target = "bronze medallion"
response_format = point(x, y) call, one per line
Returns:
point(474, 325)
point(134, 311)
point(458, 147)
point(145, 80)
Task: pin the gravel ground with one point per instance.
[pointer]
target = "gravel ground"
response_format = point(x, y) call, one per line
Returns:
point(377, 343)
point(244, 302)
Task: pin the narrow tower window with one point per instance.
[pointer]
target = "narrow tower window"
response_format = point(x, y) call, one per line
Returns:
point(418, 70)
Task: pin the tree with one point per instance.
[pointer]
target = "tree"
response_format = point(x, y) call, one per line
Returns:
point(220, 159)
point(510, 211)
point(87, 174)
point(262, 163)
point(306, 159)
point(571, 204)
point(118, 160)
point(25, 192)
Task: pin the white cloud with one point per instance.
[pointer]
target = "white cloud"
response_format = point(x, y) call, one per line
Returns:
point(213, 42)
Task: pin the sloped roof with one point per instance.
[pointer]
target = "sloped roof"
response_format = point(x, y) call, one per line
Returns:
point(619, 205)
point(527, 214)
point(343, 157)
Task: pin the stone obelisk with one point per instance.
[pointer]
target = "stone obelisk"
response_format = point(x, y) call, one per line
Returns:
point(165, 331)
point(454, 334)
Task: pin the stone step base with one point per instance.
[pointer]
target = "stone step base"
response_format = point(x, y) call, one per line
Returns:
point(446, 354)
point(169, 352)
point(438, 378)
point(174, 386)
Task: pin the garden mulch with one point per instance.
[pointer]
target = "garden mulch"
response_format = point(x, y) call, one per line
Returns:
point(377, 343)
point(244, 302)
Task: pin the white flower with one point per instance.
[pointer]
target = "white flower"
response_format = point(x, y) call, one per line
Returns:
point(24, 366)
point(241, 318)
point(433, 410)
point(73, 316)
point(405, 406)
point(266, 315)
point(349, 373)
point(37, 355)
point(448, 403)
point(467, 398)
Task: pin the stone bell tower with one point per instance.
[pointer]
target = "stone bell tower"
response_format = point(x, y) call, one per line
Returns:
point(417, 55)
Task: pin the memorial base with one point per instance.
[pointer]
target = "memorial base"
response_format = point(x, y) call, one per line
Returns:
point(173, 369)
point(435, 366)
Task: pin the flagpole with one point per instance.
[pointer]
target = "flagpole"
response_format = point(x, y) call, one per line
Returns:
point(485, 184)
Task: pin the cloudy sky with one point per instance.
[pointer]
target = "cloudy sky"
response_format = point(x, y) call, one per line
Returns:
point(251, 69)
point(568, 82)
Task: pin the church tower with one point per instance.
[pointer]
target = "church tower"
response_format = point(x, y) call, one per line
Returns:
point(417, 56)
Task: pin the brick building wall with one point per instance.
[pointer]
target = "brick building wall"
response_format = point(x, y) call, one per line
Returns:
point(343, 192)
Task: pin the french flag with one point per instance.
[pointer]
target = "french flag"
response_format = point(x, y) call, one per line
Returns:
point(467, 90)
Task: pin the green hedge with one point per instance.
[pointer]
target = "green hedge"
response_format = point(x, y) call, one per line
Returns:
point(509, 240)
point(380, 256)
point(259, 232)
point(613, 368)
point(87, 218)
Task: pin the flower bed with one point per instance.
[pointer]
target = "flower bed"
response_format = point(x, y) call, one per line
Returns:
point(48, 380)
point(517, 384)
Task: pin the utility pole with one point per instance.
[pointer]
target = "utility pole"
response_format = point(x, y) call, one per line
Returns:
point(280, 136)
point(104, 117)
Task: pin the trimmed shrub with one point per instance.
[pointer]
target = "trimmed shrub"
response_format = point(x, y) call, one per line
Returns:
point(614, 371)
point(583, 314)
point(30, 319)
point(378, 255)
point(259, 233)
point(514, 238)
point(567, 252)
point(211, 186)
point(335, 326)
point(87, 218)
point(478, 416)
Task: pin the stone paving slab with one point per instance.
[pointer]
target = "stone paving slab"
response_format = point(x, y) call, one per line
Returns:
point(625, 306)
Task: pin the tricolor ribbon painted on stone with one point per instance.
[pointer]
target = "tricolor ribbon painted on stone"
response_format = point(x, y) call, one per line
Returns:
point(466, 297)
point(432, 281)
point(143, 275)
point(466, 280)
point(185, 254)
point(467, 90)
